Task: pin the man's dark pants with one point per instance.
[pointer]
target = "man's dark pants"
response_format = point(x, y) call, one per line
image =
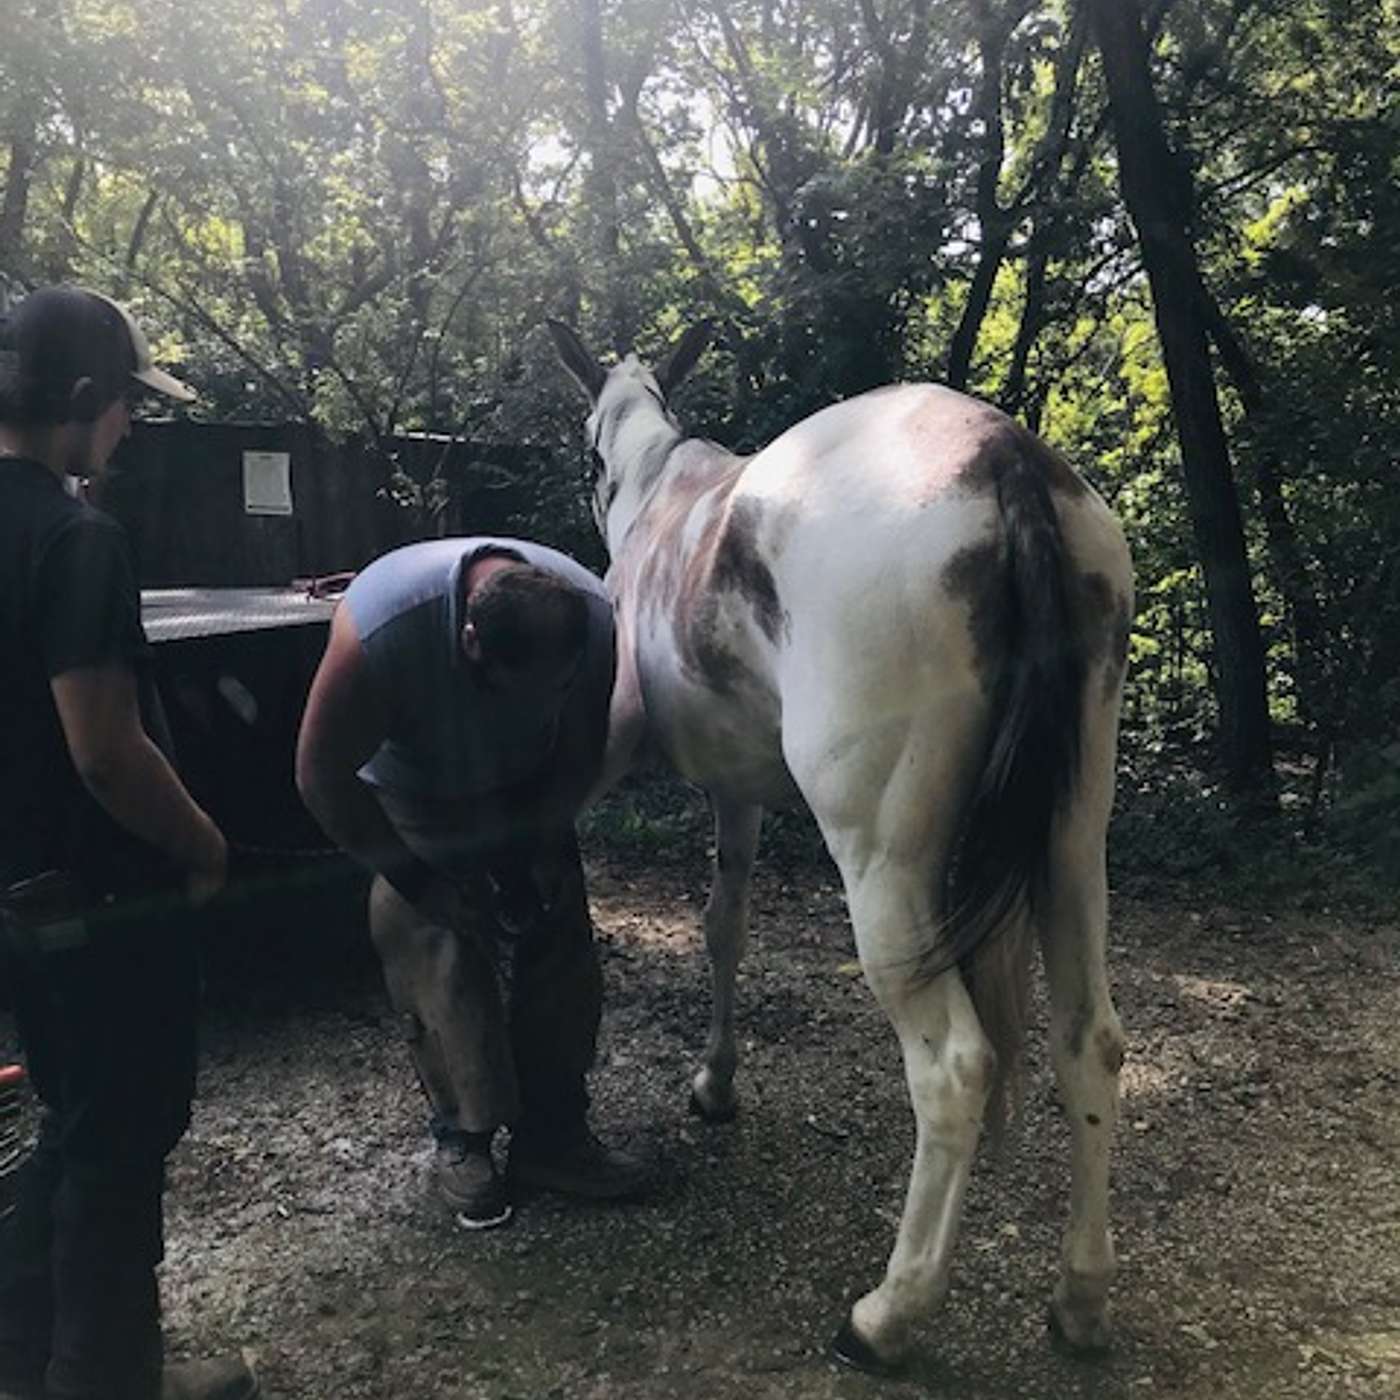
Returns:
point(503, 1010)
point(109, 1033)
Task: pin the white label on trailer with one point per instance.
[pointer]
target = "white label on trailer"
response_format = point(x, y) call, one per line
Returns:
point(267, 483)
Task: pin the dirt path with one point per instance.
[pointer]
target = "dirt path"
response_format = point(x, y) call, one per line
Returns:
point(1257, 1202)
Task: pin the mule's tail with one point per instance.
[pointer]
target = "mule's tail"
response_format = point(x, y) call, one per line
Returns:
point(1030, 770)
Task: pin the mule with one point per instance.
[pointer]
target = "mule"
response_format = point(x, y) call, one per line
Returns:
point(912, 615)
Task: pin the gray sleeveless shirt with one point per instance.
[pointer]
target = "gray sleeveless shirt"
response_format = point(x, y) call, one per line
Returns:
point(448, 736)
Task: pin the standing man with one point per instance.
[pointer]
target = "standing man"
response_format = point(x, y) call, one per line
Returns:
point(452, 733)
point(102, 854)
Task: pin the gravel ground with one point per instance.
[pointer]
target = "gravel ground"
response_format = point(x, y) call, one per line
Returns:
point(1257, 1187)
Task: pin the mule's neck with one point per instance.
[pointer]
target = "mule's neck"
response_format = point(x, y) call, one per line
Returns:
point(636, 439)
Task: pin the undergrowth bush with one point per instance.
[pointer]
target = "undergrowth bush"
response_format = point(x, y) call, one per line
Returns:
point(1174, 834)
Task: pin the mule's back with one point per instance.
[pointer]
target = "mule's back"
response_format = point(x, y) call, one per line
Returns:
point(906, 478)
point(865, 543)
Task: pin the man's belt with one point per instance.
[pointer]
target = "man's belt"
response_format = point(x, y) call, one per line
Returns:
point(45, 913)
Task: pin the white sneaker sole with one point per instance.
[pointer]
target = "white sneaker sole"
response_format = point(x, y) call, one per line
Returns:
point(468, 1222)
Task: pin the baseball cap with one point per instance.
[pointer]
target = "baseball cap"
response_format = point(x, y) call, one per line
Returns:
point(58, 335)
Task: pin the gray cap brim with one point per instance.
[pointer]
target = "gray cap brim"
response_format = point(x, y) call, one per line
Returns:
point(163, 383)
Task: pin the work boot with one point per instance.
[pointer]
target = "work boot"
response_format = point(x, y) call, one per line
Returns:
point(21, 1371)
point(580, 1166)
point(225, 1378)
point(24, 1349)
point(466, 1178)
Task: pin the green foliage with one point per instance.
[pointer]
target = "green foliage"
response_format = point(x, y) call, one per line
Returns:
point(650, 817)
point(1171, 821)
point(359, 213)
point(1364, 818)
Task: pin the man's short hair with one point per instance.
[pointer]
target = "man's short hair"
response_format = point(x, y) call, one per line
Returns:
point(523, 615)
point(57, 336)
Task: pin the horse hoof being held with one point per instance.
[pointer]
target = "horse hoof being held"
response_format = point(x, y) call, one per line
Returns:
point(912, 615)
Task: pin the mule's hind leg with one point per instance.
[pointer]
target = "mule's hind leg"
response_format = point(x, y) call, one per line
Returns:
point(1086, 1043)
point(726, 936)
point(949, 1065)
point(886, 789)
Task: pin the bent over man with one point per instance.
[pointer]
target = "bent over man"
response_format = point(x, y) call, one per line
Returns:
point(102, 854)
point(454, 729)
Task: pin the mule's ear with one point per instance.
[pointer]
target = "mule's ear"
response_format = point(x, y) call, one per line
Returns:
point(577, 360)
point(682, 359)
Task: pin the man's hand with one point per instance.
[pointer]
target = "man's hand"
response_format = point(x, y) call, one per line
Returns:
point(441, 903)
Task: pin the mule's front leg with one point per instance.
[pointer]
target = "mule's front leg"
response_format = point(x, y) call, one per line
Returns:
point(726, 935)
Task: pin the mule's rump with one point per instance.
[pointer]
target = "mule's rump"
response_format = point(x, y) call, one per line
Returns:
point(866, 542)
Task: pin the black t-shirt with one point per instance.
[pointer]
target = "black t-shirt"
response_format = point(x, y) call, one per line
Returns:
point(68, 599)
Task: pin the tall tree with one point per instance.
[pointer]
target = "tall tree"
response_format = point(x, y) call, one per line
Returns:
point(1158, 196)
point(26, 78)
point(996, 222)
point(602, 185)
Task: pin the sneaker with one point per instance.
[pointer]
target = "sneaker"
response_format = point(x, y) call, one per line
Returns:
point(468, 1181)
point(583, 1168)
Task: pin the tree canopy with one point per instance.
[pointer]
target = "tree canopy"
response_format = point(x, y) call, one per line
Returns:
point(1164, 233)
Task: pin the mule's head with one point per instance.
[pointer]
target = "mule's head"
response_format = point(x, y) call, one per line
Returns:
point(629, 424)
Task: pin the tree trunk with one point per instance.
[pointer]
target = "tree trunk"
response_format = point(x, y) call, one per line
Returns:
point(602, 176)
point(1158, 199)
point(898, 66)
point(1015, 399)
point(1056, 189)
point(1290, 572)
point(996, 223)
point(999, 222)
point(21, 131)
point(139, 229)
point(24, 161)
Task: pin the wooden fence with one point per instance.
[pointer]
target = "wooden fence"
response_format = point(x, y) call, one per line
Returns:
point(179, 488)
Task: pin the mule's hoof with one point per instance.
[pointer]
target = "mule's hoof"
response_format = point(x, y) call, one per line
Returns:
point(852, 1350)
point(1088, 1343)
point(700, 1109)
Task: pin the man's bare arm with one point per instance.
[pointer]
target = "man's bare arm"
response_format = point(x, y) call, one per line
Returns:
point(343, 725)
point(100, 714)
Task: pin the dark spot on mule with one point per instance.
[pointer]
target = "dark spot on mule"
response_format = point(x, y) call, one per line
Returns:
point(738, 567)
point(1122, 631)
point(976, 575)
point(1095, 617)
point(621, 414)
point(1009, 443)
point(695, 616)
point(688, 584)
point(1060, 477)
point(1104, 628)
point(983, 470)
point(1092, 1119)
point(657, 578)
point(1118, 650)
point(721, 669)
point(1079, 1029)
point(1110, 1047)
